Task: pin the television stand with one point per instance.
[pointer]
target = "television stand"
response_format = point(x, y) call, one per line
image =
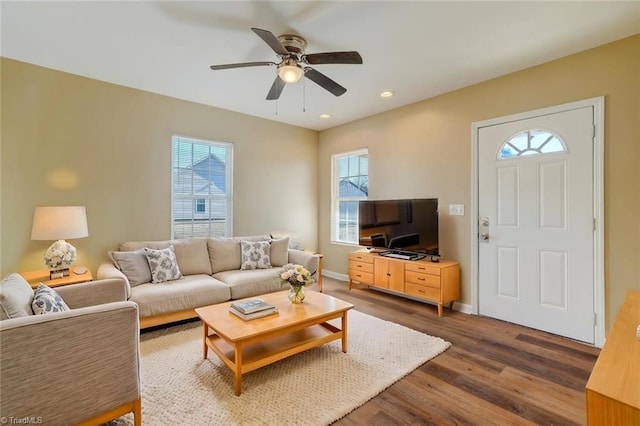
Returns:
point(404, 255)
point(421, 280)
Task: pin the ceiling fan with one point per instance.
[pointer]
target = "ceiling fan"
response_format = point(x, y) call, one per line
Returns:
point(294, 63)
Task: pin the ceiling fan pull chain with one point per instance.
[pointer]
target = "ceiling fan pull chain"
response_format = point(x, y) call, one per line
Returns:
point(304, 96)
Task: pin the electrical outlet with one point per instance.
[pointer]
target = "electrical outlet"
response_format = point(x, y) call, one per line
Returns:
point(456, 209)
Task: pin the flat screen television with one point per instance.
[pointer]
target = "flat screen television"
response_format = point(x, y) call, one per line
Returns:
point(399, 225)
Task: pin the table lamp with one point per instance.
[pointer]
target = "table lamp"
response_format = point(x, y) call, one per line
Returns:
point(59, 223)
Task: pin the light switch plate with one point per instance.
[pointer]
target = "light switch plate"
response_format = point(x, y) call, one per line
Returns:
point(456, 209)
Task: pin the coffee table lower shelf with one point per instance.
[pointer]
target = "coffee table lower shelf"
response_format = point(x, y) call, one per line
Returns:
point(250, 354)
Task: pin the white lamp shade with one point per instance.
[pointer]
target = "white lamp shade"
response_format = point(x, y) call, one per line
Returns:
point(59, 223)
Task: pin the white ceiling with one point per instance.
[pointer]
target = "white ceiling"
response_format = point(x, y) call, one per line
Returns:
point(416, 49)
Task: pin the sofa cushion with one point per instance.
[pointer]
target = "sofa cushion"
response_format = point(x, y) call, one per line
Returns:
point(163, 264)
point(255, 255)
point(16, 296)
point(46, 301)
point(279, 251)
point(191, 254)
point(251, 282)
point(225, 252)
point(133, 264)
point(192, 291)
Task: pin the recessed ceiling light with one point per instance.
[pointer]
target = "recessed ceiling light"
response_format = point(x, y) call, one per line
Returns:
point(386, 94)
point(324, 116)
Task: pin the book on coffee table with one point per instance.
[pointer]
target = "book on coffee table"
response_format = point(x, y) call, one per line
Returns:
point(254, 315)
point(250, 306)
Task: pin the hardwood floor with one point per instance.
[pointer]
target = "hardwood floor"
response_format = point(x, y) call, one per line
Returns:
point(494, 372)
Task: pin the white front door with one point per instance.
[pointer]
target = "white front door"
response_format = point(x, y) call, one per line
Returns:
point(536, 220)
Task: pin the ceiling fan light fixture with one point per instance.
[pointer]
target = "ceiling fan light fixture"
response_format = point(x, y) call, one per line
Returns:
point(290, 73)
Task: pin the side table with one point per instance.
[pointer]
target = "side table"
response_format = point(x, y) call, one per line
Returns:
point(42, 276)
point(320, 256)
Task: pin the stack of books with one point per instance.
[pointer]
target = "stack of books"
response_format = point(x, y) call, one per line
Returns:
point(252, 308)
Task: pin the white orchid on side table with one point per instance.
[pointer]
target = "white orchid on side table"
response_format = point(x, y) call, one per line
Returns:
point(297, 277)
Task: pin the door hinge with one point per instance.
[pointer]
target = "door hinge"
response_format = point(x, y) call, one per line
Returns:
point(595, 319)
point(594, 132)
point(594, 224)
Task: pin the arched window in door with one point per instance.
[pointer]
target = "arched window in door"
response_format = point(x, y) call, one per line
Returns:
point(531, 142)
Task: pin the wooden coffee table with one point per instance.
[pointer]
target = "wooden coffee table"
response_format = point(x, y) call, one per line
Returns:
point(245, 346)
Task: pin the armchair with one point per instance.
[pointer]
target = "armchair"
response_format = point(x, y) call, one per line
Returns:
point(75, 367)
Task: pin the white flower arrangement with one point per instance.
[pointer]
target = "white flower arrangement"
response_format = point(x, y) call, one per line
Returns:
point(60, 255)
point(296, 276)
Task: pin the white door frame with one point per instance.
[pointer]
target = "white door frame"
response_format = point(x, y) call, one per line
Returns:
point(598, 202)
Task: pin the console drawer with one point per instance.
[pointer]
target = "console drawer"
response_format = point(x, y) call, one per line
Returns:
point(432, 281)
point(422, 268)
point(361, 266)
point(358, 257)
point(361, 277)
point(422, 291)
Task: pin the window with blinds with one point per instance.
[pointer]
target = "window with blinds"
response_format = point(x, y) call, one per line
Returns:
point(201, 188)
point(350, 184)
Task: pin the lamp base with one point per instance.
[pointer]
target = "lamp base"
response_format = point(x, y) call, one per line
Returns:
point(53, 275)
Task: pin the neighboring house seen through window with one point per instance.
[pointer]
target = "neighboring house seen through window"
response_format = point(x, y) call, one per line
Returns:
point(201, 192)
point(350, 184)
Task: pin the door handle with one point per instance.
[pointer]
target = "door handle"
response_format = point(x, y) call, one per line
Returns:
point(483, 231)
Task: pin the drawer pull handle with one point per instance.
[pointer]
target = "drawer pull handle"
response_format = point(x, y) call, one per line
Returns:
point(359, 266)
point(421, 279)
point(421, 291)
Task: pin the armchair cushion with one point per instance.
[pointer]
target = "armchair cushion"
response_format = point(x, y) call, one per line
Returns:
point(16, 296)
point(46, 301)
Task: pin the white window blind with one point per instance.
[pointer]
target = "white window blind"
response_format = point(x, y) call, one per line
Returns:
point(350, 184)
point(201, 190)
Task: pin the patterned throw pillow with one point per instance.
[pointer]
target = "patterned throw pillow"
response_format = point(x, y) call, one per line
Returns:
point(46, 301)
point(255, 255)
point(163, 265)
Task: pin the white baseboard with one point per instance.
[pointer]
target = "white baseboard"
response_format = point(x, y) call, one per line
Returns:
point(457, 306)
point(335, 275)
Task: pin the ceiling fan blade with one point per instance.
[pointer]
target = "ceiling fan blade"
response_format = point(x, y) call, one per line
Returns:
point(352, 57)
point(324, 81)
point(271, 40)
point(241, 65)
point(276, 89)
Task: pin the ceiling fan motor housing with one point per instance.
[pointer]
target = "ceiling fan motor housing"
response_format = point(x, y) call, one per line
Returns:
point(293, 43)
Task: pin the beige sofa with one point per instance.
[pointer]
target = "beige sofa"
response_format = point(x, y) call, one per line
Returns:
point(210, 272)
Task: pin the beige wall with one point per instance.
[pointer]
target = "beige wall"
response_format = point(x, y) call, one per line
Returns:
point(69, 140)
point(424, 150)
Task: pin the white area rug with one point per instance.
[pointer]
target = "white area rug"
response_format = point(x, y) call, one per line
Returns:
point(316, 387)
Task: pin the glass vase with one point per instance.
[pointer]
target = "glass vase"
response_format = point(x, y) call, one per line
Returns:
point(296, 293)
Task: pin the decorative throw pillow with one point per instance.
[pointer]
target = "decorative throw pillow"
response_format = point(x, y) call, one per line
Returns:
point(133, 264)
point(279, 251)
point(46, 301)
point(255, 255)
point(163, 265)
point(16, 296)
